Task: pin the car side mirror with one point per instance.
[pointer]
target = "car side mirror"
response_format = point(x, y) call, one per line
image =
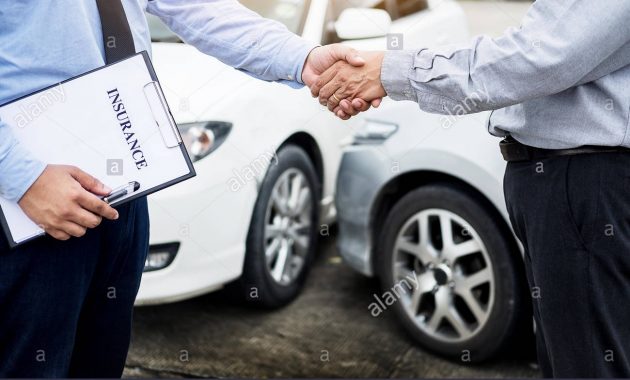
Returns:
point(360, 23)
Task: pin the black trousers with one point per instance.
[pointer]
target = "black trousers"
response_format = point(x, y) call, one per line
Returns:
point(572, 215)
point(66, 307)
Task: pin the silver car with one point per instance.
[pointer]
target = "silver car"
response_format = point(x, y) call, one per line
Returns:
point(420, 207)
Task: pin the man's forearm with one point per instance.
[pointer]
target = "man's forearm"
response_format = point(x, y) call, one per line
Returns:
point(560, 45)
point(556, 48)
point(238, 37)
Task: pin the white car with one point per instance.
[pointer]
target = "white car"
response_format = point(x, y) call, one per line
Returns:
point(266, 155)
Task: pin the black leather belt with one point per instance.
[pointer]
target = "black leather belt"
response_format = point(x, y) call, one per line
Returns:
point(514, 151)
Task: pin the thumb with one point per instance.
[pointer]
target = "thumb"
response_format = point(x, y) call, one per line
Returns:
point(90, 183)
point(349, 54)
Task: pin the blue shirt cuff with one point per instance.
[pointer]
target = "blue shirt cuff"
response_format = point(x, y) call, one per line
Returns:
point(18, 168)
point(292, 61)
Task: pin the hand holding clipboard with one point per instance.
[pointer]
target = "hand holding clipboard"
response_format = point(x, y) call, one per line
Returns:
point(117, 112)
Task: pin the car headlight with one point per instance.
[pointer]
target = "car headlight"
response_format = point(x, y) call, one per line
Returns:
point(203, 138)
point(374, 132)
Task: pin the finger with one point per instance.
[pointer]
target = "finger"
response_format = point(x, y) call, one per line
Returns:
point(333, 102)
point(348, 108)
point(72, 229)
point(348, 54)
point(315, 89)
point(342, 115)
point(324, 79)
point(345, 106)
point(57, 234)
point(333, 87)
point(86, 219)
point(360, 105)
point(88, 182)
point(97, 206)
point(377, 102)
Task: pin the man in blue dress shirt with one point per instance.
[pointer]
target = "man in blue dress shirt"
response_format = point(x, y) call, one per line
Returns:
point(66, 303)
point(559, 86)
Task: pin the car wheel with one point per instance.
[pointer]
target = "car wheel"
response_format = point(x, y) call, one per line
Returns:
point(282, 237)
point(460, 282)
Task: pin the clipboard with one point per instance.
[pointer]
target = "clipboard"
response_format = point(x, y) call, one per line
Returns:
point(112, 122)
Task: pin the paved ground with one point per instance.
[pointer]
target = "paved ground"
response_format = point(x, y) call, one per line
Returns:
point(327, 332)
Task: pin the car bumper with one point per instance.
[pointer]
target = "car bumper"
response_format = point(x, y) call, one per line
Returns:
point(210, 222)
point(193, 272)
point(362, 173)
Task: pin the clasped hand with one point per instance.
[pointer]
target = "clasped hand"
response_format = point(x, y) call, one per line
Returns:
point(349, 85)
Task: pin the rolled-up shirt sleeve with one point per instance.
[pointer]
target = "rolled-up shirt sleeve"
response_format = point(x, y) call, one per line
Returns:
point(18, 168)
point(558, 45)
point(238, 37)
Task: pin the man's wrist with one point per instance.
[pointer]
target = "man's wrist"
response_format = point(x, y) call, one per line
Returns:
point(395, 71)
point(305, 62)
point(301, 50)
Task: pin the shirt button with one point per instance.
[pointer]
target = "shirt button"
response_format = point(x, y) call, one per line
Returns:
point(290, 77)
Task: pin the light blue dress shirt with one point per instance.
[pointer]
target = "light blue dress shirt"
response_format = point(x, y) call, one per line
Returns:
point(561, 80)
point(45, 42)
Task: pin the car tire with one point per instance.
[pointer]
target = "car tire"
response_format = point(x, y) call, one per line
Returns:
point(454, 330)
point(257, 284)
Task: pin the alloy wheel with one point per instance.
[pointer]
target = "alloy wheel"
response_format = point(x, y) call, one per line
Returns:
point(287, 226)
point(454, 294)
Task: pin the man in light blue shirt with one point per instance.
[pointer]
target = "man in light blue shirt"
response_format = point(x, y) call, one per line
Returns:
point(66, 303)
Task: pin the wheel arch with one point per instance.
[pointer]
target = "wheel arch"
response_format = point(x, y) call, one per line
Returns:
point(398, 187)
point(310, 146)
point(307, 143)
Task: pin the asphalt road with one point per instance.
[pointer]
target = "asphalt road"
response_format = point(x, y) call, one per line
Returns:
point(327, 332)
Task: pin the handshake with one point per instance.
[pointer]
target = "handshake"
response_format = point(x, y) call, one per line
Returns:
point(344, 80)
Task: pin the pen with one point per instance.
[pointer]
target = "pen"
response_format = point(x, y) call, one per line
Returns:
point(121, 192)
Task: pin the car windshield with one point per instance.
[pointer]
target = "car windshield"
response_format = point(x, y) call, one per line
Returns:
point(288, 12)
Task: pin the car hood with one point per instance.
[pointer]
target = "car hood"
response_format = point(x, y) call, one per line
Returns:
point(197, 86)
